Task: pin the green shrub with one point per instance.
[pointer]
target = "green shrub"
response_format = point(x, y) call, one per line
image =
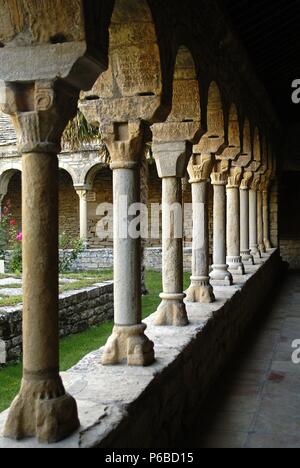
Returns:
point(70, 249)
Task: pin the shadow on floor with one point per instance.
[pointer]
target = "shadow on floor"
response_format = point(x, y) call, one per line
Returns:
point(256, 401)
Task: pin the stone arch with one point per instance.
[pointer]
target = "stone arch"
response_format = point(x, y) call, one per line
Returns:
point(69, 170)
point(7, 173)
point(133, 85)
point(215, 112)
point(91, 174)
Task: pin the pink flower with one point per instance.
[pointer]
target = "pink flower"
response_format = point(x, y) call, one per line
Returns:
point(13, 222)
point(19, 237)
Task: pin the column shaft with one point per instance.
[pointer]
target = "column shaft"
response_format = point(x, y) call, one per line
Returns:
point(244, 227)
point(260, 231)
point(42, 408)
point(200, 289)
point(220, 271)
point(253, 223)
point(127, 259)
point(266, 220)
point(172, 310)
point(233, 231)
point(83, 214)
point(128, 341)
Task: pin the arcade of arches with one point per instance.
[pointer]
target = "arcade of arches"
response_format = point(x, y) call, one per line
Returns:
point(147, 74)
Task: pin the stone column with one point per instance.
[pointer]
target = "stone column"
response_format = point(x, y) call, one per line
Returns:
point(266, 221)
point(234, 259)
point(220, 274)
point(128, 341)
point(83, 215)
point(244, 219)
point(253, 217)
point(200, 289)
point(260, 228)
point(171, 161)
point(42, 408)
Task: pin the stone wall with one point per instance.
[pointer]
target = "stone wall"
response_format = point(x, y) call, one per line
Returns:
point(290, 252)
point(77, 312)
point(68, 206)
point(97, 259)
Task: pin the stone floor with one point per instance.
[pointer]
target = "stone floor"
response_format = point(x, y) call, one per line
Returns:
point(257, 401)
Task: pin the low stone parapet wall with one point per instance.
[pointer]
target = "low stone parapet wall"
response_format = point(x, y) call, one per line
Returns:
point(128, 407)
point(78, 310)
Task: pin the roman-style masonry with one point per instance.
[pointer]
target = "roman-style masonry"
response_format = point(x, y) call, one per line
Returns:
point(40, 112)
point(128, 341)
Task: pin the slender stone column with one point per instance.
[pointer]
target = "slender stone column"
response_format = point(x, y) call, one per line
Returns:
point(83, 215)
point(266, 222)
point(200, 289)
point(42, 408)
point(234, 259)
point(260, 228)
point(128, 341)
point(220, 273)
point(171, 161)
point(253, 217)
point(244, 219)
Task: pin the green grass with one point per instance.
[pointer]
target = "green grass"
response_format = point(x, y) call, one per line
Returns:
point(10, 301)
point(75, 347)
point(83, 280)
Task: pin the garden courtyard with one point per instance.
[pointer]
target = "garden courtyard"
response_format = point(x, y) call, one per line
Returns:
point(74, 347)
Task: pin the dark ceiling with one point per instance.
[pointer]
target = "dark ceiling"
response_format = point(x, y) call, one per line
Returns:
point(270, 32)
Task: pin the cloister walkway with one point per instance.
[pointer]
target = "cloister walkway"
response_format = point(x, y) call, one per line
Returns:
point(257, 402)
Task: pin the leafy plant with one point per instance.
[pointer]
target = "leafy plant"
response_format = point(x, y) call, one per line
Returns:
point(70, 249)
point(16, 257)
point(79, 131)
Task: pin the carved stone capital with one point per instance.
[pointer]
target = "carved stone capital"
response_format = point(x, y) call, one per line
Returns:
point(40, 112)
point(246, 181)
point(125, 143)
point(219, 175)
point(235, 176)
point(264, 184)
point(82, 193)
point(256, 182)
point(200, 167)
point(172, 158)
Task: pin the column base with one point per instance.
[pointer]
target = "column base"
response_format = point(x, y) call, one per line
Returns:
point(172, 311)
point(255, 252)
point(42, 410)
point(262, 248)
point(247, 258)
point(268, 245)
point(200, 290)
point(220, 276)
point(129, 343)
point(235, 265)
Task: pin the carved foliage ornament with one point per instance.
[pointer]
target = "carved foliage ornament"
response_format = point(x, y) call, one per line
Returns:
point(40, 112)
